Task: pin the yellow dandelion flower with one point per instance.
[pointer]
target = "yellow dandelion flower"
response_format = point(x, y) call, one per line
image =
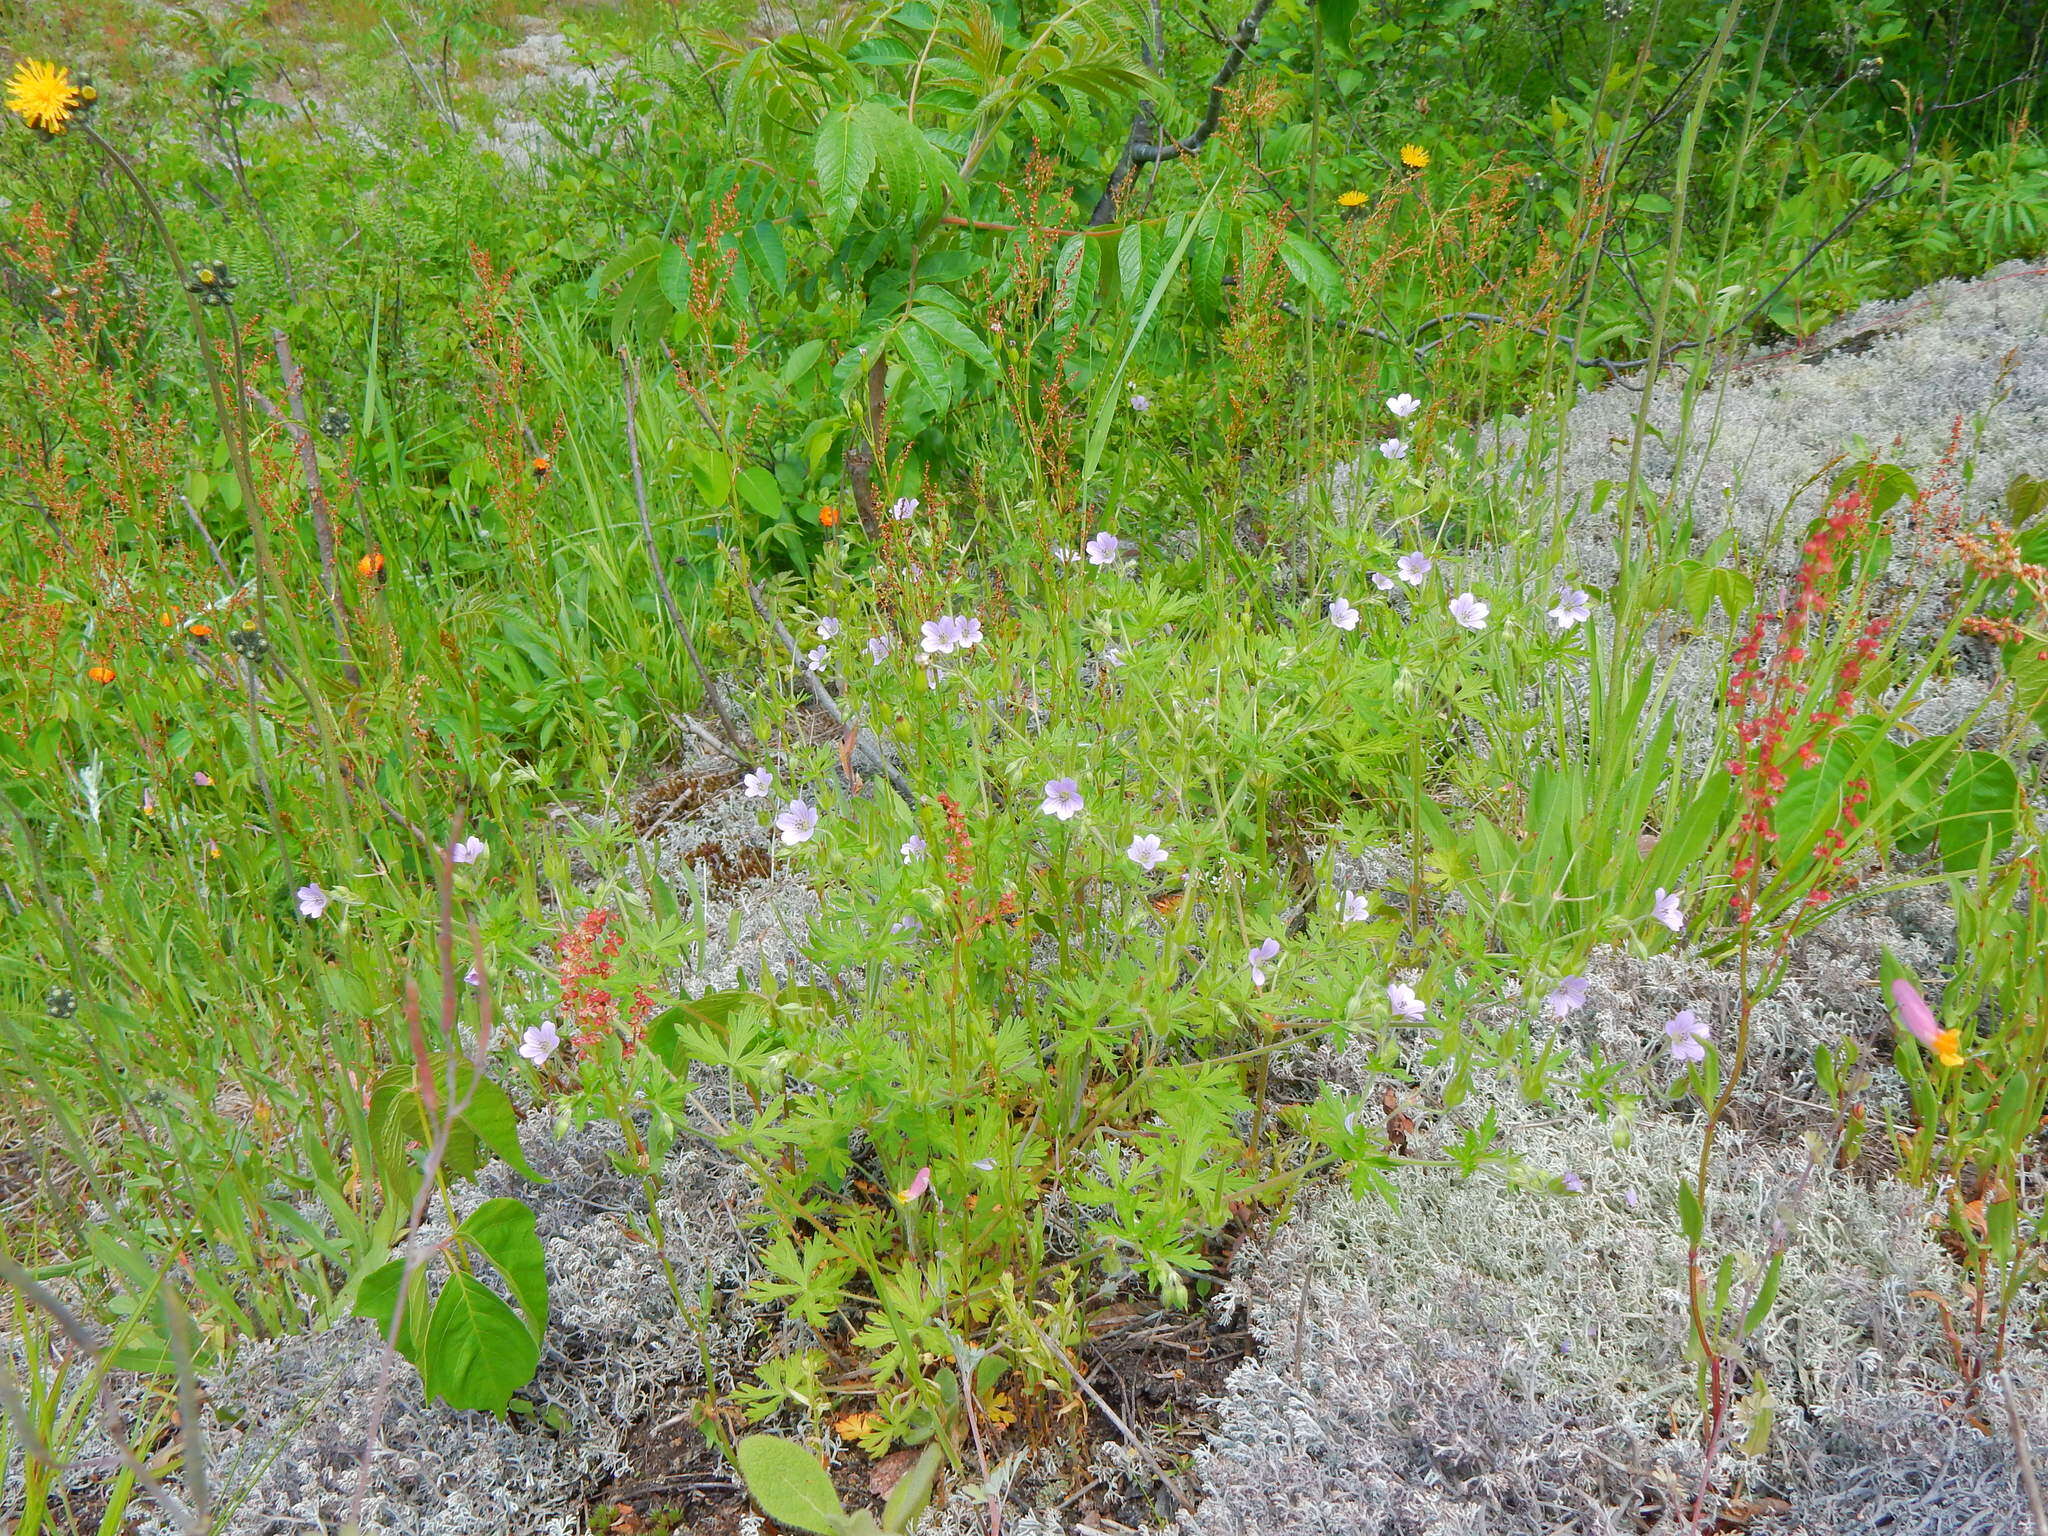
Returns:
point(43, 96)
point(1948, 1048)
point(1351, 199)
point(1415, 157)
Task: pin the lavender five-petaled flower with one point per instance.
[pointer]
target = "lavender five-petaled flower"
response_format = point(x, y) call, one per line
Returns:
point(1062, 799)
point(312, 900)
point(1140, 404)
point(878, 648)
point(950, 632)
point(1566, 998)
point(817, 656)
point(828, 629)
point(1688, 1033)
point(1573, 608)
point(1382, 581)
point(1343, 615)
point(758, 784)
point(796, 822)
point(1405, 1003)
point(1574, 1183)
point(1265, 954)
point(1356, 908)
point(1393, 448)
point(469, 850)
point(913, 848)
point(1146, 853)
point(1102, 549)
point(540, 1042)
point(1414, 567)
point(1469, 611)
point(1666, 910)
point(903, 508)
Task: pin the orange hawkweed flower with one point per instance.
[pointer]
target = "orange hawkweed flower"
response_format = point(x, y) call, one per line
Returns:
point(100, 673)
point(199, 631)
point(370, 566)
point(541, 465)
point(167, 618)
point(828, 516)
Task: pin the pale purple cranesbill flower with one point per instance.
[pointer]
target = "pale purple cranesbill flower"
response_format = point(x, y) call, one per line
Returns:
point(759, 784)
point(1666, 910)
point(1573, 608)
point(1343, 615)
point(1688, 1033)
point(1102, 549)
point(879, 647)
point(1405, 1003)
point(1356, 908)
point(1574, 1183)
point(203, 779)
point(1382, 581)
point(1062, 799)
point(985, 1164)
point(312, 900)
point(921, 1182)
point(908, 923)
point(1914, 1013)
point(1469, 611)
point(1267, 952)
point(816, 657)
point(1113, 656)
point(828, 629)
point(796, 822)
point(474, 977)
point(1066, 555)
point(540, 1042)
point(469, 851)
point(913, 848)
point(1630, 1198)
point(1404, 405)
point(1140, 404)
point(1393, 448)
point(1146, 853)
point(1414, 567)
point(950, 632)
point(903, 508)
point(1566, 998)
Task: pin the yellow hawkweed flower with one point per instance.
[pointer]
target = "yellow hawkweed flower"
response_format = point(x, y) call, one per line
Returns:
point(1415, 157)
point(1948, 1048)
point(43, 96)
point(1352, 199)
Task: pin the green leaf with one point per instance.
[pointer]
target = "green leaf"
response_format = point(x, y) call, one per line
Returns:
point(789, 1485)
point(672, 272)
point(956, 335)
point(764, 250)
point(1209, 264)
point(504, 1230)
point(1761, 1307)
point(478, 1351)
point(1336, 17)
point(1130, 258)
point(1978, 812)
point(843, 155)
point(377, 1299)
point(2025, 496)
point(758, 490)
point(491, 1117)
point(1312, 267)
point(1691, 1219)
point(912, 1492)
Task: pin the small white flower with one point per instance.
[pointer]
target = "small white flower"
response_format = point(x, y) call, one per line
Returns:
point(1343, 615)
point(758, 784)
point(796, 822)
point(1065, 555)
point(1469, 611)
point(1404, 405)
point(540, 1042)
point(1393, 448)
point(1146, 853)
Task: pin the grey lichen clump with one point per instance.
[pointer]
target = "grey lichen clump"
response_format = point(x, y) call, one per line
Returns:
point(1495, 1359)
point(287, 1424)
